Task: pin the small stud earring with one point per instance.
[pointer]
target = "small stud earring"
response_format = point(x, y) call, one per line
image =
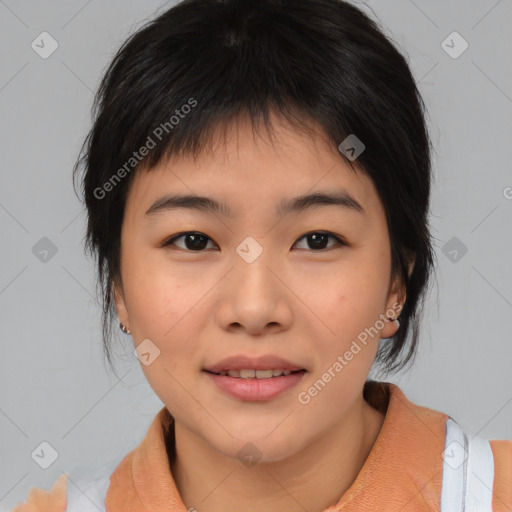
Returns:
point(123, 328)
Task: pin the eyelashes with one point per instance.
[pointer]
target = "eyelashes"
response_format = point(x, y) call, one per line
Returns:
point(326, 235)
point(197, 241)
point(195, 236)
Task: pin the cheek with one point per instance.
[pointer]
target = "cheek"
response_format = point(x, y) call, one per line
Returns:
point(156, 292)
point(163, 311)
point(164, 377)
point(353, 302)
point(168, 322)
point(359, 294)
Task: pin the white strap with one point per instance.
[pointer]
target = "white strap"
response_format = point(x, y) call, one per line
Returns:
point(480, 479)
point(87, 497)
point(87, 489)
point(468, 472)
point(452, 499)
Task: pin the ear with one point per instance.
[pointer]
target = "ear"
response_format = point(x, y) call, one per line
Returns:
point(396, 300)
point(118, 293)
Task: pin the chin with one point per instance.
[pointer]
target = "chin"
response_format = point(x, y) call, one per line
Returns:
point(257, 452)
point(258, 445)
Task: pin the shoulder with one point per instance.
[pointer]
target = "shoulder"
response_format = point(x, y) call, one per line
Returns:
point(40, 500)
point(502, 455)
point(502, 450)
point(78, 490)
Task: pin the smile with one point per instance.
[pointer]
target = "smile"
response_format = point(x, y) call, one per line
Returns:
point(253, 387)
point(256, 374)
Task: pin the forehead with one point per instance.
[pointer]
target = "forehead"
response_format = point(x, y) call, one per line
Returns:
point(248, 169)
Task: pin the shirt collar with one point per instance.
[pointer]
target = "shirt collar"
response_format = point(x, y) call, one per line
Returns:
point(404, 467)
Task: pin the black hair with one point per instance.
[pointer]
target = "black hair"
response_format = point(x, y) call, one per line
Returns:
point(202, 64)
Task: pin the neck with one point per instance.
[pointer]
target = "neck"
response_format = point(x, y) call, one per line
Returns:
point(312, 479)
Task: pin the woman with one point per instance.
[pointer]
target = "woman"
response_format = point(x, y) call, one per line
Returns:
point(231, 137)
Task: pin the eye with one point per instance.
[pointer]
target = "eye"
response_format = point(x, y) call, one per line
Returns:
point(194, 240)
point(318, 238)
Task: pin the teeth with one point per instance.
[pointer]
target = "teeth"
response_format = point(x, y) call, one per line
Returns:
point(258, 374)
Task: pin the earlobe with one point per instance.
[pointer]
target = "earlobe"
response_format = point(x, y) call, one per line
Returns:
point(390, 329)
point(398, 293)
point(394, 306)
point(392, 324)
point(396, 301)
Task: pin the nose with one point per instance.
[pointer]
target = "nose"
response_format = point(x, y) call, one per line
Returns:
point(255, 297)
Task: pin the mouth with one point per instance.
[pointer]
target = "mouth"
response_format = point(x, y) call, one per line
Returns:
point(246, 377)
point(262, 367)
point(255, 385)
point(256, 374)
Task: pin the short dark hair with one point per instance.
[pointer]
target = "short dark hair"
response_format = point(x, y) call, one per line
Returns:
point(202, 64)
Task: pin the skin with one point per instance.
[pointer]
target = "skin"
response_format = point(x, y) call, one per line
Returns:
point(300, 302)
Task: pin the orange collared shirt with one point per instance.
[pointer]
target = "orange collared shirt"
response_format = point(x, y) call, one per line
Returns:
point(403, 471)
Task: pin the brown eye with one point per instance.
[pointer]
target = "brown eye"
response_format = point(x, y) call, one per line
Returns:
point(317, 240)
point(196, 242)
point(193, 241)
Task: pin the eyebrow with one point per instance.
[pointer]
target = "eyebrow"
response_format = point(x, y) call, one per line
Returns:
point(297, 204)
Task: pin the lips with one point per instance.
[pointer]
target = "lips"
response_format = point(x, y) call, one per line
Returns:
point(243, 362)
point(256, 374)
point(255, 389)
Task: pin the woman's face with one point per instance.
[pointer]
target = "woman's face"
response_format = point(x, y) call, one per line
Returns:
point(256, 279)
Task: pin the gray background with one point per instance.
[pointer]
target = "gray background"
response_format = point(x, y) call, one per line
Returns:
point(54, 384)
